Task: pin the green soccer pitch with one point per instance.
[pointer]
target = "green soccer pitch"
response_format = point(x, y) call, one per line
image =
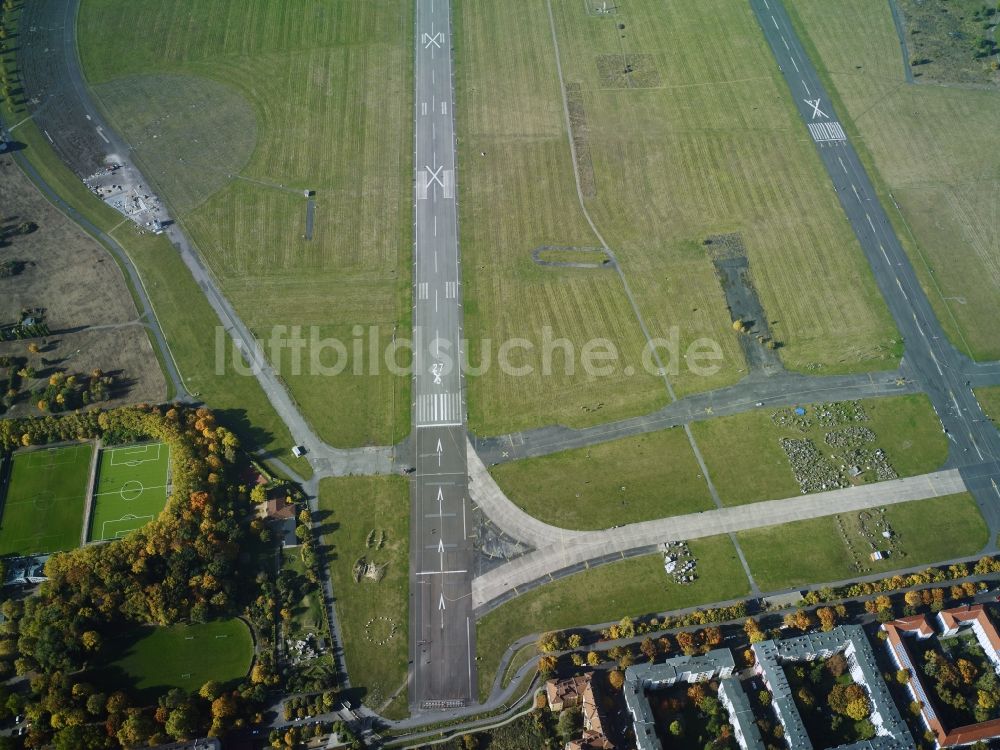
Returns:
point(44, 502)
point(131, 489)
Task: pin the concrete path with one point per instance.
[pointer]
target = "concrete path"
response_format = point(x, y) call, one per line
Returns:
point(508, 517)
point(579, 548)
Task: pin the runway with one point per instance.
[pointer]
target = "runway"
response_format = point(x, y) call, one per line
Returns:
point(442, 625)
point(929, 358)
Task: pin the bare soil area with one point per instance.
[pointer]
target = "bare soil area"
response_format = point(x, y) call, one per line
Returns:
point(82, 293)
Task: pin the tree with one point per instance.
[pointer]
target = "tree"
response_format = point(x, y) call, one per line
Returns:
point(903, 676)
point(827, 618)
point(91, 640)
point(837, 665)
point(593, 658)
point(575, 640)
point(648, 649)
point(616, 678)
point(183, 722)
point(686, 642)
point(569, 724)
point(546, 664)
point(859, 709)
point(210, 690)
point(676, 729)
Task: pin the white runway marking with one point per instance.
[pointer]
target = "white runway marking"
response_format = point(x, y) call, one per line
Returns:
point(842, 165)
point(102, 135)
point(422, 290)
point(870, 222)
point(766, 5)
point(824, 132)
point(439, 409)
point(884, 254)
point(444, 108)
point(450, 289)
point(796, 66)
point(806, 88)
point(786, 42)
point(814, 103)
point(423, 108)
point(775, 23)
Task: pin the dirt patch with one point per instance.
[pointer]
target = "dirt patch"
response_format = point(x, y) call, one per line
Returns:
point(581, 142)
point(80, 288)
point(628, 71)
point(732, 267)
point(571, 257)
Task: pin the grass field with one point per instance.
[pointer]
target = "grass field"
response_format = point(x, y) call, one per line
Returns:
point(624, 481)
point(716, 146)
point(942, 39)
point(989, 399)
point(131, 489)
point(44, 500)
point(609, 592)
point(814, 551)
point(747, 463)
point(156, 659)
point(292, 97)
point(934, 149)
point(350, 509)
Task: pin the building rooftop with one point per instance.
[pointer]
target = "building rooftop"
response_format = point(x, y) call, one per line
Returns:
point(950, 620)
point(891, 731)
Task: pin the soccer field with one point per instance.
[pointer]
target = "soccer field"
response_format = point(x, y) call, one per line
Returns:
point(181, 656)
point(131, 489)
point(44, 500)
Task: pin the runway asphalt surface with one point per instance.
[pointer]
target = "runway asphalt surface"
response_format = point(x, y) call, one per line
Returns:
point(442, 625)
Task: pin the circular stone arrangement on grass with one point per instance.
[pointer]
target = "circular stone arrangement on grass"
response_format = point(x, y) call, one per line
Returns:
point(131, 490)
point(380, 630)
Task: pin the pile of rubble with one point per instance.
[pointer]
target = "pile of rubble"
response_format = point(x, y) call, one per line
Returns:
point(679, 563)
point(812, 471)
point(850, 438)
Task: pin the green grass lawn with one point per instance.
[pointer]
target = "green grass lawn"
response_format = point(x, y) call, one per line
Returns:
point(624, 481)
point(44, 501)
point(933, 147)
point(350, 508)
point(303, 96)
point(605, 593)
point(989, 399)
point(814, 551)
point(155, 659)
point(131, 489)
point(747, 463)
point(714, 145)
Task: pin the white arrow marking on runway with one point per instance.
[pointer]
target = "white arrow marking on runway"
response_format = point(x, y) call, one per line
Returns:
point(440, 499)
point(441, 551)
point(441, 602)
point(814, 103)
point(439, 451)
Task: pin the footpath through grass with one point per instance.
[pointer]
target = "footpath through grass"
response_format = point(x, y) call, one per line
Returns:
point(815, 551)
point(624, 481)
point(45, 499)
point(351, 509)
point(131, 489)
point(608, 593)
point(747, 463)
point(155, 659)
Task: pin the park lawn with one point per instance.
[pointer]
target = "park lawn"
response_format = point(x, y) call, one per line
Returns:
point(350, 508)
point(710, 144)
point(520, 196)
point(989, 399)
point(44, 503)
point(747, 463)
point(933, 148)
point(293, 97)
point(813, 551)
point(156, 659)
point(607, 593)
point(624, 481)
